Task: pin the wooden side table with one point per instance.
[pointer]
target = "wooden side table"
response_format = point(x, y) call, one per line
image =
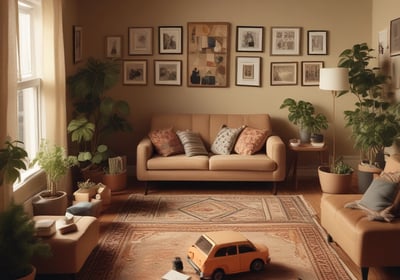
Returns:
point(303, 148)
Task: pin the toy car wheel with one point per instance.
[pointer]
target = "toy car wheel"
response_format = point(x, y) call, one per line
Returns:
point(257, 265)
point(218, 274)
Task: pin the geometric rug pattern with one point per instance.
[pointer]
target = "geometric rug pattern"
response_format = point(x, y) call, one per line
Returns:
point(150, 231)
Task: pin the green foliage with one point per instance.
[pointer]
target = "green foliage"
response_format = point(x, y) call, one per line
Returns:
point(374, 121)
point(86, 184)
point(12, 159)
point(302, 113)
point(340, 167)
point(96, 115)
point(18, 243)
point(54, 162)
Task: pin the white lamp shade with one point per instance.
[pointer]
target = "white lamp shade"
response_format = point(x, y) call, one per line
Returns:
point(334, 78)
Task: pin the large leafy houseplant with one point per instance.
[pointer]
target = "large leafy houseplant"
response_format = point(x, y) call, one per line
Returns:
point(95, 114)
point(54, 162)
point(374, 121)
point(302, 113)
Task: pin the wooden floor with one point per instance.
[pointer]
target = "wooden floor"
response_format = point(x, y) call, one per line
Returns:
point(307, 186)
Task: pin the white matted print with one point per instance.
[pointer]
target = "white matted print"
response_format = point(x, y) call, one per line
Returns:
point(170, 39)
point(140, 40)
point(114, 46)
point(135, 72)
point(285, 40)
point(317, 42)
point(283, 73)
point(168, 72)
point(248, 71)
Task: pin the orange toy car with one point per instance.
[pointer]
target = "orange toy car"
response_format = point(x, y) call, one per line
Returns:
point(226, 252)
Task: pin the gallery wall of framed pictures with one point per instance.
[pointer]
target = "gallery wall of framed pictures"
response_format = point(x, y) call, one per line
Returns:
point(207, 61)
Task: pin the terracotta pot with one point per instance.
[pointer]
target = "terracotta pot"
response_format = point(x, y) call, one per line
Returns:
point(334, 183)
point(115, 182)
point(45, 204)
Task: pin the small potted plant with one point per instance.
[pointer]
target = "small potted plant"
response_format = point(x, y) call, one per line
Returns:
point(335, 178)
point(302, 114)
point(53, 161)
point(86, 191)
point(116, 176)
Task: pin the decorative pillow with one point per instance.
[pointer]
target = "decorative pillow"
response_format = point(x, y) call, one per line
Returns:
point(225, 140)
point(192, 143)
point(381, 201)
point(166, 142)
point(251, 140)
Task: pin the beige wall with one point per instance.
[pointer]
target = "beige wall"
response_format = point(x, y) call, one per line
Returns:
point(348, 22)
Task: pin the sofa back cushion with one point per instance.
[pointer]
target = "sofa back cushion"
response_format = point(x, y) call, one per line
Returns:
point(208, 125)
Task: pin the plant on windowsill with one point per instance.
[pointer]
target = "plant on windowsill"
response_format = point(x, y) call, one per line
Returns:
point(302, 114)
point(13, 158)
point(53, 160)
point(96, 116)
point(374, 121)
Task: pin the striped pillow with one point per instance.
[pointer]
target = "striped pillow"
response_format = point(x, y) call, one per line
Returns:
point(192, 143)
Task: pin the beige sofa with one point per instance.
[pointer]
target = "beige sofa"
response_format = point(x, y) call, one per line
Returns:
point(367, 242)
point(268, 165)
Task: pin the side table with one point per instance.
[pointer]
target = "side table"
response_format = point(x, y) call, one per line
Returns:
point(303, 148)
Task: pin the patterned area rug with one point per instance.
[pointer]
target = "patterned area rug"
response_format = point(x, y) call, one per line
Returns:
point(150, 231)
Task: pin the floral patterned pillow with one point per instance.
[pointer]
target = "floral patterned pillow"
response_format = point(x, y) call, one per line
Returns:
point(251, 140)
point(166, 142)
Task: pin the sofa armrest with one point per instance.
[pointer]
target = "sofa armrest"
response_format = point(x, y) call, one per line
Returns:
point(144, 151)
point(276, 150)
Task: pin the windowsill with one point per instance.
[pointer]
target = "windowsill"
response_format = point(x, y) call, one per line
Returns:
point(31, 183)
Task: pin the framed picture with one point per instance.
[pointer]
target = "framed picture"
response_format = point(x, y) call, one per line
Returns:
point(114, 46)
point(170, 39)
point(135, 72)
point(249, 39)
point(248, 71)
point(140, 40)
point(310, 72)
point(77, 50)
point(168, 72)
point(283, 73)
point(317, 42)
point(208, 54)
point(285, 40)
point(395, 37)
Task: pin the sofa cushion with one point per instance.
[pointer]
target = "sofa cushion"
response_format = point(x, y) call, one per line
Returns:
point(257, 162)
point(251, 140)
point(166, 142)
point(379, 200)
point(225, 140)
point(178, 162)
point(192, 143)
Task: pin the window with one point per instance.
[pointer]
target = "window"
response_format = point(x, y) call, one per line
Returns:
point(246, 248)
point(29, 77)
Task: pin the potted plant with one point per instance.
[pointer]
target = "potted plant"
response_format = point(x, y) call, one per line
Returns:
point(302, 114)
point(374, 120)
point(115, 176)
point(336, 178)
point(18, 244)
point(54, 162)
point(95, 114)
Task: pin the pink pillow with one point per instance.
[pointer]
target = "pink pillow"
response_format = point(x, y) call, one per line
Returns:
point(166, 142)
point(251, 140)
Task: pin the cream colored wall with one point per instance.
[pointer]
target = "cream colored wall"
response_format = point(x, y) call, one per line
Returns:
point(348, 22)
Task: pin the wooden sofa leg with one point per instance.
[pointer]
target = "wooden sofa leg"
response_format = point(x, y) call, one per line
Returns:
point(329, 238)
point(364, 272)
point(275, 188)
point(146, 188)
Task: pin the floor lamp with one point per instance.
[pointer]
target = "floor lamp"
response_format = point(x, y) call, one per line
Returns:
point(334, 79)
